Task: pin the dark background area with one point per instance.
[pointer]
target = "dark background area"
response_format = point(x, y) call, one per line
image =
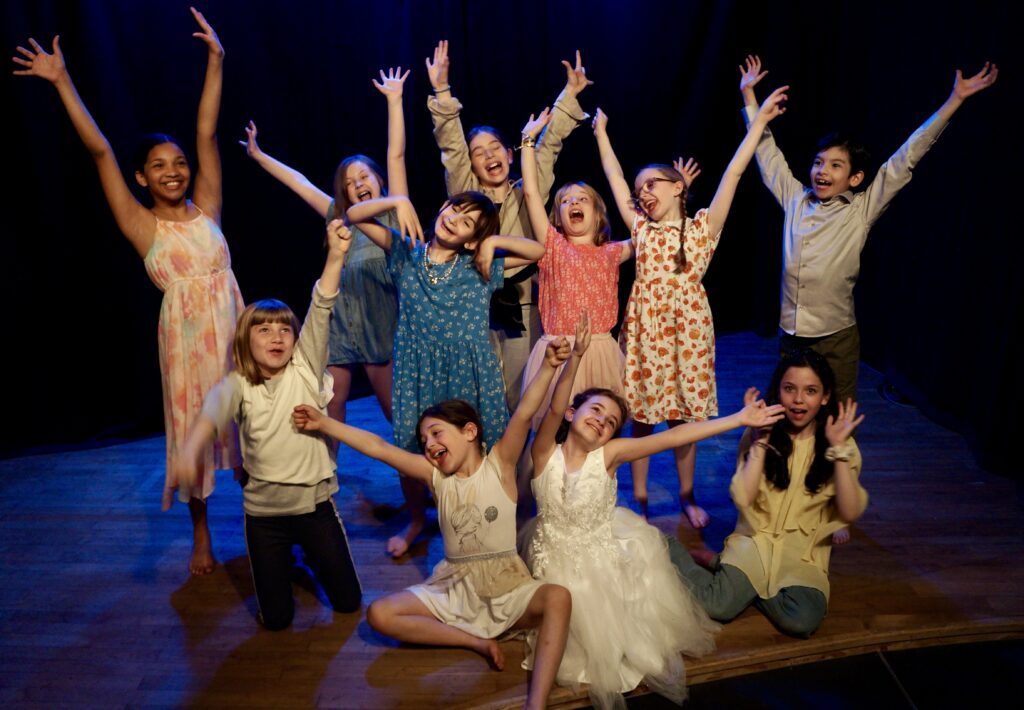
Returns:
point(938, 303)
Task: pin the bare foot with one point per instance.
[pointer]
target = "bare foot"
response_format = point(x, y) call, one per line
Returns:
point(490, 650)
point(841, 536)
point(697, 516)
point(399, 544)
point(705, 558)
point(202, 561)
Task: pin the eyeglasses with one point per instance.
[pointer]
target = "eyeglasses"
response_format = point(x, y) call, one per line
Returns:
point(648, 185)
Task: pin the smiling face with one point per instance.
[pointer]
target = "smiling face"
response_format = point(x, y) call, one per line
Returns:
point(830, 173)
point(165, 173)
point(361, 183)
point(448, 447)
point(456, 225)
point(595, 422)
point(271, 346)
point(803, 395)
point(490, 159)
point(658, 195)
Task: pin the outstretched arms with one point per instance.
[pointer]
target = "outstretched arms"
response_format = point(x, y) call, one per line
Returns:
point(308, 418)
point(965, 88)
point(531, 180)
point(208, 194)
point(290, 177)
point(392, 85)
point(135, 221)
point(613, 170)
point(718, 211)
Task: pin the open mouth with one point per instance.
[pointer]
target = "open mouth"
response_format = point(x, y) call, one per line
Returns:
point(576, 215)
point(437, 455)
point(494, 169)
point(173, 184)
point(363, 195)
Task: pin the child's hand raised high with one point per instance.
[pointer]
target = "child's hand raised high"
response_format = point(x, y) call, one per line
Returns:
point(437, 70)
point(962, 88)
point(582, 335)
point(600, 122)
point(773, 106)
point(392, 83)
point(208, 34)
point(557, 352)
point(306, 418)
point(575, 77)
point(689, 170)
point(534, 126)
point(39, 63)
point(750, 75)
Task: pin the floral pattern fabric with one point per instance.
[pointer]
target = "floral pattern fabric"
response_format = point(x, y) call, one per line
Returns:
point(189, 262)
point(668, 334)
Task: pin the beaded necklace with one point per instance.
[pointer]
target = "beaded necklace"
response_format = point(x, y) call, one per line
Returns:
point(429, 265)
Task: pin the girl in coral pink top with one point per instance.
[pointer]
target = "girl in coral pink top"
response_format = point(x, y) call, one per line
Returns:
point(579, 273)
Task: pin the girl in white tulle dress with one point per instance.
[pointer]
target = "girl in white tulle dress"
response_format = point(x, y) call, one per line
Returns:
point(632, 617)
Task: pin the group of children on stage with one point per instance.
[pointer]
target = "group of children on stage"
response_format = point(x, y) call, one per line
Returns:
point(443, 322)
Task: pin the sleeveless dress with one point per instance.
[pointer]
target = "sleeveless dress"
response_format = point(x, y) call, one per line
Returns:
point(366, 312)
point(632, 616)
point(667, 333)
point(189, 262)
point(482, 585)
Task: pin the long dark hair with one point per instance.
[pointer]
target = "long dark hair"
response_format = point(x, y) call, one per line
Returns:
point(580, 399)
point(776, 463)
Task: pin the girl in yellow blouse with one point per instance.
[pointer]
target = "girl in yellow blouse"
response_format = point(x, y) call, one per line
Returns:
point(796, 483)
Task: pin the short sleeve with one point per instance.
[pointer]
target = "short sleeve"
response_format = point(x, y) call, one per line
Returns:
point(399, 255)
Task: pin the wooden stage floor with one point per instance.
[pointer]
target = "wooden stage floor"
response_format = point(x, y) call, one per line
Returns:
point(97, 608)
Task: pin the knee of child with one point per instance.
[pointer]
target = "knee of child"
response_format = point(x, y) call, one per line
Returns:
point(559, 599)
point(377, 615)
point(802, 626)
point(277, 620)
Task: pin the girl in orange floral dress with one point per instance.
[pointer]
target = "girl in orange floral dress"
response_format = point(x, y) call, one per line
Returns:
point(185, 255)
point(668, 334)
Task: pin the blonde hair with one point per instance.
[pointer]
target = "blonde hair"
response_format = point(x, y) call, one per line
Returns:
point(269, 310)
point(604, 228)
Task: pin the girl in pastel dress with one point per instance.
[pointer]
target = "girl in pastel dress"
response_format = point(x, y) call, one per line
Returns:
point(579, 272)
point(632, 615)
point(481, 589)
point(185, 255)
point(365, 315)
point(445, 284)
point(290, 474)
point(667, 334)
point(796, 483)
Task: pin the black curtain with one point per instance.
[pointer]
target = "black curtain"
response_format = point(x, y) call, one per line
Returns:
point(938, 302)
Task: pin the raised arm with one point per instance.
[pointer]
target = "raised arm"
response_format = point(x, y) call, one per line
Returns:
point(775, 172)
point(290, 177)
point(313, 337)
point(308, 418)
point(897, 171)
point(511, 443)
point(755, 414)
point(531, 185)
point(718, 211)
point(135, 221)
point(392, 85)
point(444, 112)
point(208, 193)
point(613, 171)
point(850, 499)
point(544, 440)
point(566, 114)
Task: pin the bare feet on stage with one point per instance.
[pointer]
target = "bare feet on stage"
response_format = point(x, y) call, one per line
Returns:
point(202, 560)
point(841, 536)
point(698, 517)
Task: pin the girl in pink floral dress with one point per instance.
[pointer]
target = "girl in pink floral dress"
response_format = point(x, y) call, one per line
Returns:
point(185, 255)
point(668, 334)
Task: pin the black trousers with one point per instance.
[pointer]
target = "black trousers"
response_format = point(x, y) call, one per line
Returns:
point(322, 538)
